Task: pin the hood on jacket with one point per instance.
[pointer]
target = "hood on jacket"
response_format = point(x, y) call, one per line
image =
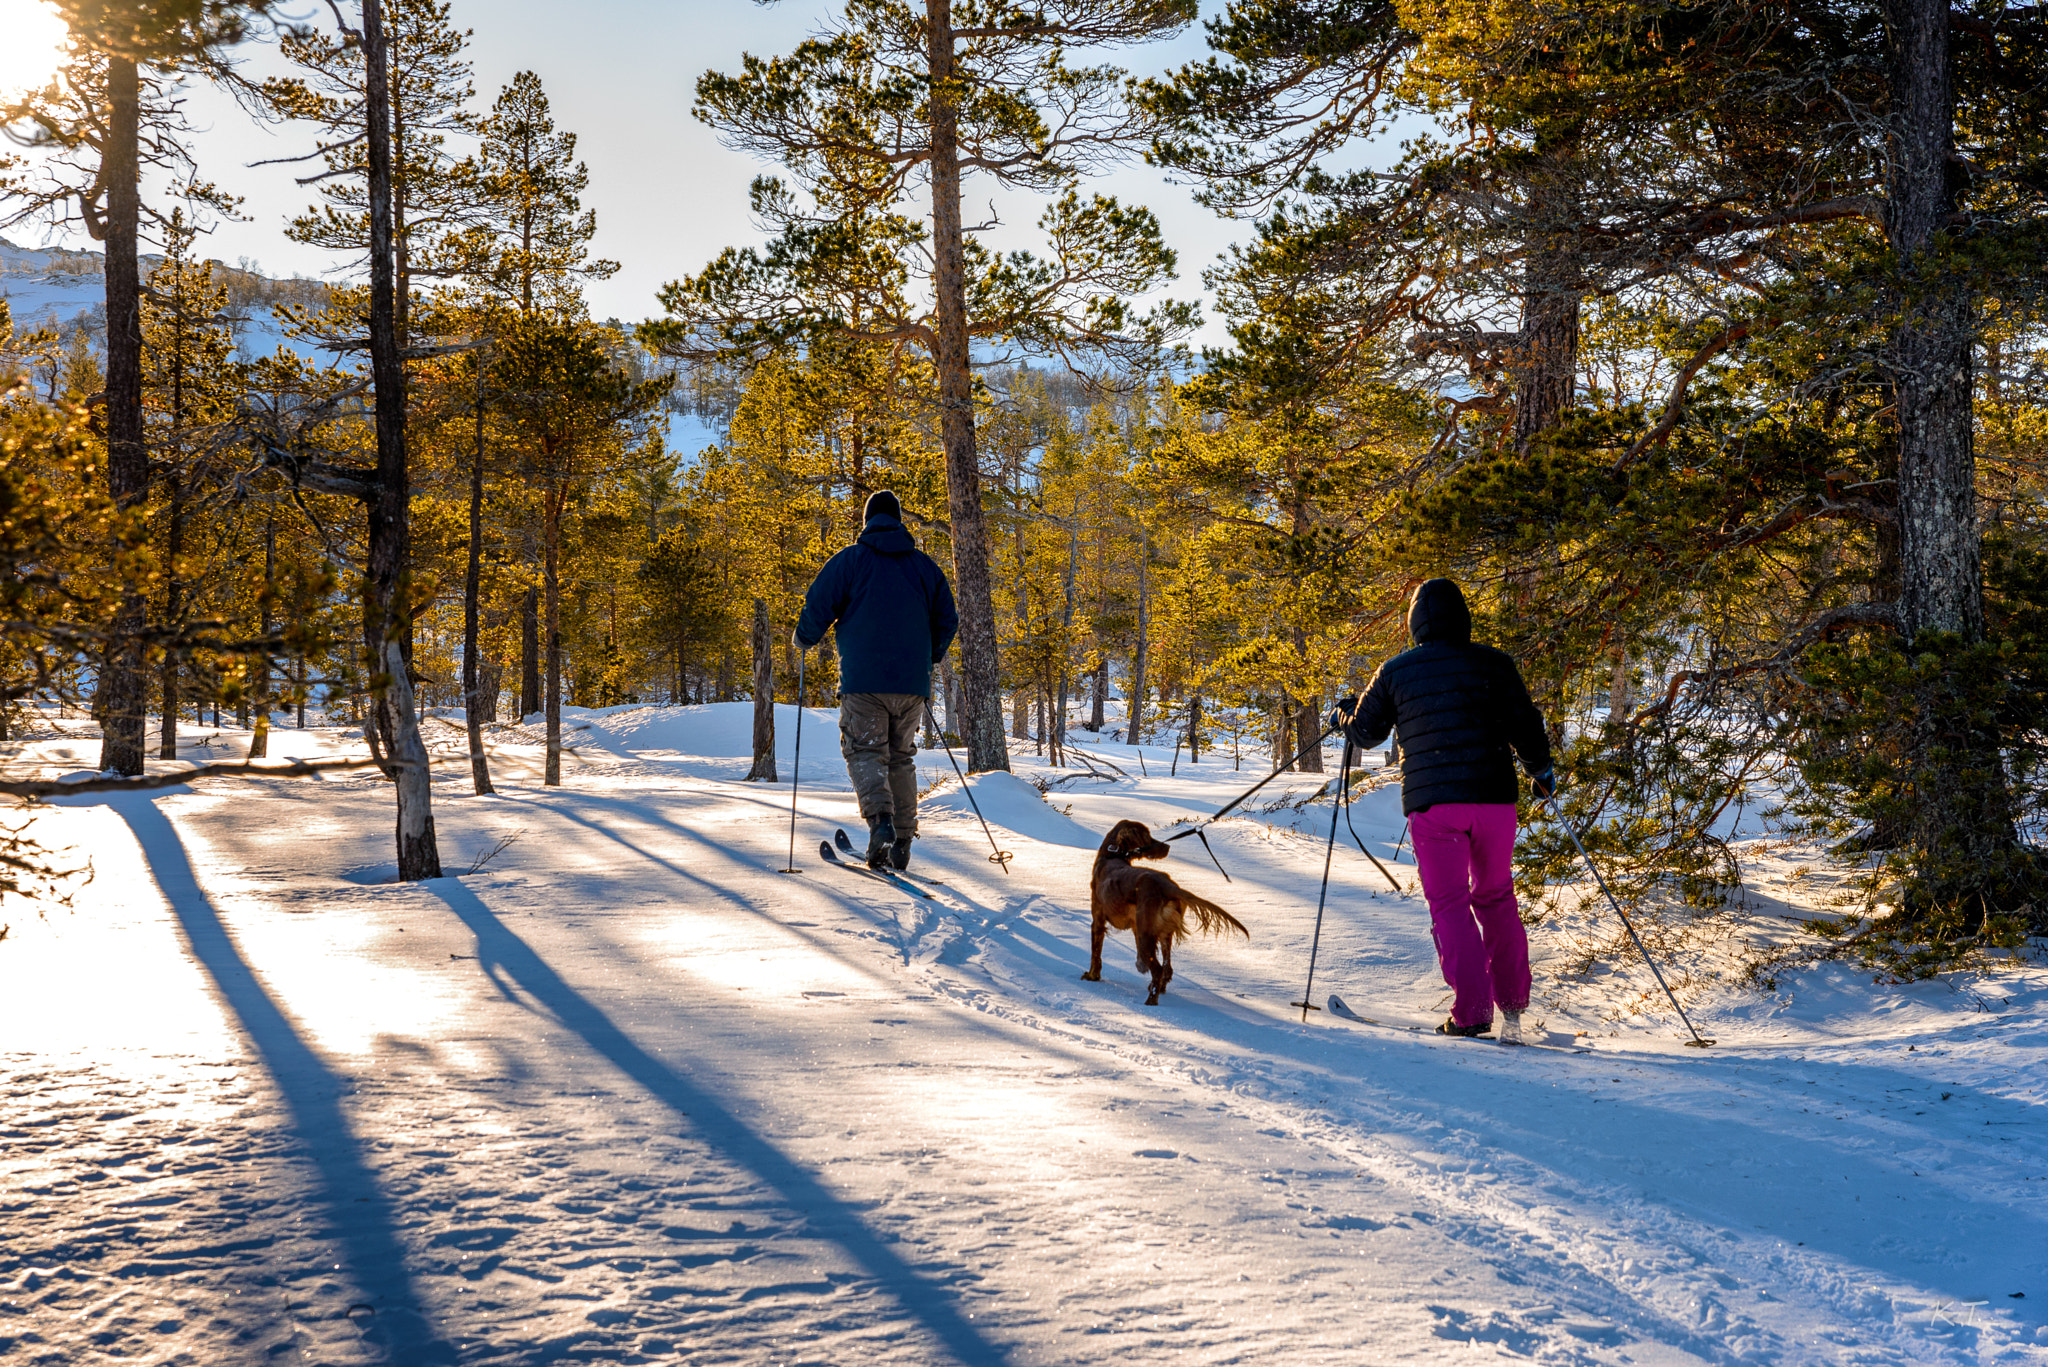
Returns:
point(887, 535)
point(1438, 613)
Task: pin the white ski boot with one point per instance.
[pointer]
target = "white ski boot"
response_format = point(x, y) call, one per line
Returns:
point(1510, 1028)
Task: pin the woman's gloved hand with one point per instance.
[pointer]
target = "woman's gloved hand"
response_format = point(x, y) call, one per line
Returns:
point(1347, 708)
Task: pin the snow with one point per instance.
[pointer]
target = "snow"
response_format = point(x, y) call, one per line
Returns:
point(627, 1093)
point(40, 292)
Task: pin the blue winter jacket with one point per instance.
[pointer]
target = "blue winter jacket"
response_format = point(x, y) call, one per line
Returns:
point(893, 608)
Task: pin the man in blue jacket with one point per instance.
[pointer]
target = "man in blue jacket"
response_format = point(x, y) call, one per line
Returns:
point(1464, 713)
point(895, 615)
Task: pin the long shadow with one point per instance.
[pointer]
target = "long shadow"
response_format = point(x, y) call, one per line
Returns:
point(826, 1214)
point(359, 1218)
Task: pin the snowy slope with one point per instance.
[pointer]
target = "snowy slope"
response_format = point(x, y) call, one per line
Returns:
point(629, 1093)
point(46, 287)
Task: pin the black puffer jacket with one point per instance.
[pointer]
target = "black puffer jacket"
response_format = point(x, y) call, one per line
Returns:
point(1460, 708)
point(893, 608)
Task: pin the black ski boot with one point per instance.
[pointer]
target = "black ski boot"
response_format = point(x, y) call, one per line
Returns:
point(899, 853)
point(1451, 1027)
point(881, 836)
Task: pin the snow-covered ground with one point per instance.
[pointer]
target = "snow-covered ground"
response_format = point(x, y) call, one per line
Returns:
point(630, 1093)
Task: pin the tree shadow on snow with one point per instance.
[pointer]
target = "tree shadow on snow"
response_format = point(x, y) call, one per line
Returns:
point(360, 1219)
point(500, 948)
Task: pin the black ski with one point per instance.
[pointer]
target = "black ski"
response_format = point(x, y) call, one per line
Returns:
point(826, 852)
point(845, 842)
point(1343, 1012)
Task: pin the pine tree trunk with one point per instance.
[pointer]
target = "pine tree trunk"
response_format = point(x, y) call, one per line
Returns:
point(121, 698)
point(1134, 712)
point(1308, 728)
point(551, 581)
point(1194, 728)
point(1546, 361)
point(1100, 687)
point(174, 548)
point(948, 686)
point(764, 698)
point(388, 587)
point(259, 742)
point(980, 662)
point(1283, 733)
point(1963, 814)
point(472, 586)
point(529, 653)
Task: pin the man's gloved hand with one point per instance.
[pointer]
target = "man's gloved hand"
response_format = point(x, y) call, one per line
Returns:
point(1347, 708)
point(1544, 783)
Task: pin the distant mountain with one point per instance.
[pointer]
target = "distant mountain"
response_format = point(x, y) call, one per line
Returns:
point(55, 287)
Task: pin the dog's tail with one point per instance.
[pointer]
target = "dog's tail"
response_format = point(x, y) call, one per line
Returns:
point(1210, 919)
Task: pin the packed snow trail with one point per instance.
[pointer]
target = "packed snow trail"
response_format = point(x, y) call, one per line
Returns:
point(628, 1094)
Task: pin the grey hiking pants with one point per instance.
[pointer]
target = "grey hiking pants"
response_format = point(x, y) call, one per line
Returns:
point(878, 736)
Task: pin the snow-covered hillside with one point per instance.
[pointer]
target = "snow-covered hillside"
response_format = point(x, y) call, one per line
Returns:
point(627, 1091)
point(50, 287)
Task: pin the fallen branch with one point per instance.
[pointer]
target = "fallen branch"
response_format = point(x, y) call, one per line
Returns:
point(121, 783)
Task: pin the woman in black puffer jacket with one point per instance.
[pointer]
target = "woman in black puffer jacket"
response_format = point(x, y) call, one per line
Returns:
point(1463, 713)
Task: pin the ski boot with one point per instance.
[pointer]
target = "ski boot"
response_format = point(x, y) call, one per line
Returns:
point(1511, 1027)
point(1451, 1027)
point(899, 853)
point(881, 837)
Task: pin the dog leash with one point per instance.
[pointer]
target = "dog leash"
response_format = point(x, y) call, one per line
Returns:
point(1227, 808)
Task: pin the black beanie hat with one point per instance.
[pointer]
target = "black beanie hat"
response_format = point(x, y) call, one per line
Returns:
point(882, 503)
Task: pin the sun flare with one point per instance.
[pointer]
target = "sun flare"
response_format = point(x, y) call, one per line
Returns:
point(31, 44)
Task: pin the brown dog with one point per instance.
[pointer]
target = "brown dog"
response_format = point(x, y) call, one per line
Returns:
point(1147, 903)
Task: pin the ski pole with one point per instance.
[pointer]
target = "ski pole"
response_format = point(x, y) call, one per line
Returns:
point(1697, 1041)
point(1344, 798)
point(1329, 850)
point(1001, 857)
point(1403, 841)
point(1227, 808)
point(796, 760)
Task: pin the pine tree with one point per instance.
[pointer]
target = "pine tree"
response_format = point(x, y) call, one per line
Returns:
point(940, 91)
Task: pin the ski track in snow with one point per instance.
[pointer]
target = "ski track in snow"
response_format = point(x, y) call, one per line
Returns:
point(628, 1094)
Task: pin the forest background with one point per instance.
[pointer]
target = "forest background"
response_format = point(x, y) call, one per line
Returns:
point(1699, 343)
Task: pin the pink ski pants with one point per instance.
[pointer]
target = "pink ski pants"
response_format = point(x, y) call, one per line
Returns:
point(1465, 851)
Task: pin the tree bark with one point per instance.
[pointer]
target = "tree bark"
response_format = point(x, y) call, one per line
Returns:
point(1194, 728)
point(764, 698)
point(1546, 361)
point(259, 742)
point(529, 653)
point(1962, 815)
point(388, 616)
point(121, 693)
point(551, 625)
point(472, 584)
point(174, 547)
point(1134, 712)
point(1308, 725)
point(980, 661)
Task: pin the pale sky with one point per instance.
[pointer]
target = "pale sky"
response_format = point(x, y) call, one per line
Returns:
point(619, 73)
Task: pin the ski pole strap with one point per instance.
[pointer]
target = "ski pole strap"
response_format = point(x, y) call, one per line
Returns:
point(1227, 808)
point(1344, 800)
